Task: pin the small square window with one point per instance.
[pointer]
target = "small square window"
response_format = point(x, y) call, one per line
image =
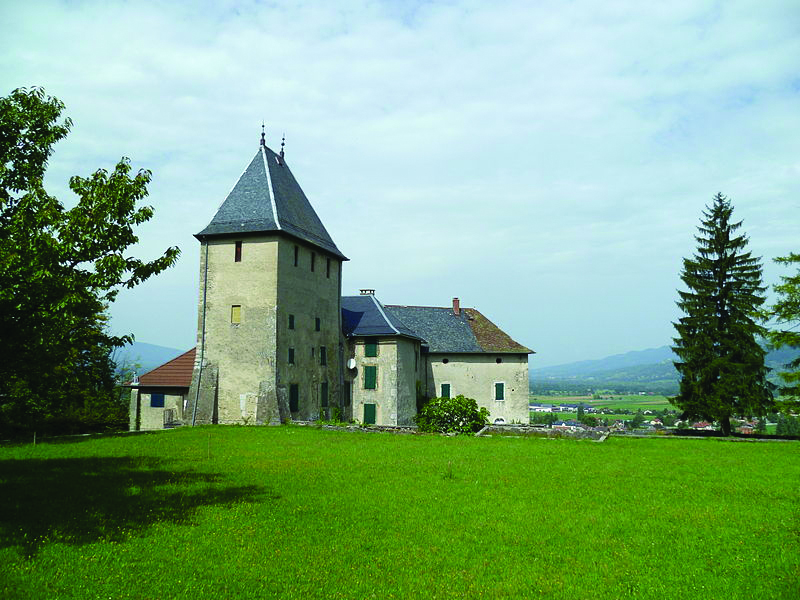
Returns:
point(236, 314)
point(370, 377)
point(499, 391)
point(371, 349)
point(291, 356)
point(237, 252)
point(323, 355)
point(157, 400)
point(317, 324)
point(291, 321)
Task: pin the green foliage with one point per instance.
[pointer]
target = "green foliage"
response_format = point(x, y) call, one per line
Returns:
point(632, 518)
point(451, 415)
point(786, 312)
point(59, 270)
point(720, 361)
point(788, 425)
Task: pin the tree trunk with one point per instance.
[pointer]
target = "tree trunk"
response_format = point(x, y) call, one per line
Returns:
point(725, 423)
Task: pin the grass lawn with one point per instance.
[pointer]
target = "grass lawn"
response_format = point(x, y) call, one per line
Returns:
point(632, 402)
point(294, 512)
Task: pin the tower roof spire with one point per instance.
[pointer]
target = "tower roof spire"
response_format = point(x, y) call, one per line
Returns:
point(263, 134)
point(283, 143)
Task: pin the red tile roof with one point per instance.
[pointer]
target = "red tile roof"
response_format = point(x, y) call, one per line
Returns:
point(175, 373)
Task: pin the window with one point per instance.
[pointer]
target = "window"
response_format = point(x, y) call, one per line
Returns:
point(317, 324)
point(237, 252)
point(347, 392)
point(291, 321)
point(236, 314)
point(371, 349)
point(445, 390)
point(323, 355)
point(294, 397)
point(291, 356)
point(323, 394)
point(328, 268)
point(370, 377)
point(157, 400)
point(499, 391)
point(498, 360)
point(312, 352)
point(369, 414)
point(313, 260)
point(296, 255)
point(445, 361)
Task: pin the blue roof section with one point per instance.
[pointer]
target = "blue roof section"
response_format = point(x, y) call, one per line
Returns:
point(365, 316)
point(443, 330)
point(267, 198)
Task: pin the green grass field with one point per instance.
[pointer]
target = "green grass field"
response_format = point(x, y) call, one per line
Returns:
point(294, 512)
point(631, 402)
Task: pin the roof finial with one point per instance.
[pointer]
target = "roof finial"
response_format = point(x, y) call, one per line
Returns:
point(283, 143)
point(263, 141)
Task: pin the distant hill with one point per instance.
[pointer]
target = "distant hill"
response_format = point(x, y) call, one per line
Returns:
point(648, 370)
point(146, 356)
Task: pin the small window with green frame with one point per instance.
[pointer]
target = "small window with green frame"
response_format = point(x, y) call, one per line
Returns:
point(371, 348)
point(499, 390)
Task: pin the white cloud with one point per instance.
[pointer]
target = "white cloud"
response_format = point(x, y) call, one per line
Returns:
point(546, 162)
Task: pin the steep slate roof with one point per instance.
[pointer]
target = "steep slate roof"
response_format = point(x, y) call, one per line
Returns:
point(267, 198)
point(365, 316)
point(468, 332)
point(175, 373)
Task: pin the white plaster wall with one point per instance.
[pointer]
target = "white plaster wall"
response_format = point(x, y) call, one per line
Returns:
point(474, 376)
point(153, 417)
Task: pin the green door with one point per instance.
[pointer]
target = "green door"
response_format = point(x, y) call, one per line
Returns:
point(369, 414)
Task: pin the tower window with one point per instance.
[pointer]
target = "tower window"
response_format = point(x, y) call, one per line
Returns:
point(328, 268)
point(317, 323)
point(313, 260)
point(291, 321)
point(237, 252)
point(291, 356)
point(323, 355)
point(370, 377)
point(236, 314)
point(294, 397)
point(296, 255)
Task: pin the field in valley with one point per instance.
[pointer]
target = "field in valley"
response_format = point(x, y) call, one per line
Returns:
point(631, 402)
point(298, 512)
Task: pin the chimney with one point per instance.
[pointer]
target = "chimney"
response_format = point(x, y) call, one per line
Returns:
point(456, 307)
point(367, 292)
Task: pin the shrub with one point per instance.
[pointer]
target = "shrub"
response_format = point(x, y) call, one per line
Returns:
point(452, 415)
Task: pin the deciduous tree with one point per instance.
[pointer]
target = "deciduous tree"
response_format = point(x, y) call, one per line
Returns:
point(721, 362)
point(60, 268)
point(786, 312)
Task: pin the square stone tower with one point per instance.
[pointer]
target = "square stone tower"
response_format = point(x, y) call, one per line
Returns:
point(269, 334)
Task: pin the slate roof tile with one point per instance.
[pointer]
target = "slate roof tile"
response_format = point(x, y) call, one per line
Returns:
point(267, 198)
point(365, 316)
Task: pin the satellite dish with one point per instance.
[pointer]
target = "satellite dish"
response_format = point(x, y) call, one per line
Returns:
point(351, 363)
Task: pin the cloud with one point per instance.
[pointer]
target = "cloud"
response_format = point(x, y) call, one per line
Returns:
point(548, 162)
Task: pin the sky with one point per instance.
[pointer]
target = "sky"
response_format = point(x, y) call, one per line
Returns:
point(547, 162)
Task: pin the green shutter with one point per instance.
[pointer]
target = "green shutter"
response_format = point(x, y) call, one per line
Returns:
point(499, 391)
point(371, 349)
point(369, 414)
point(370, 377)
point(445, 390)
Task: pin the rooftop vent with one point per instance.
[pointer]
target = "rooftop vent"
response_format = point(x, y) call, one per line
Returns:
point(456, 307)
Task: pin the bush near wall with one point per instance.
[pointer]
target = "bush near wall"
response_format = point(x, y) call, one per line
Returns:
point(452, 415)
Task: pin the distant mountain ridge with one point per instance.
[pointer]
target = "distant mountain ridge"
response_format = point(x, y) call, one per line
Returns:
point(143, 357)
point(650, 370)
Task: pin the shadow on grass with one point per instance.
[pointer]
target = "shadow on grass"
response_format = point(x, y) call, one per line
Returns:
point(83, 500)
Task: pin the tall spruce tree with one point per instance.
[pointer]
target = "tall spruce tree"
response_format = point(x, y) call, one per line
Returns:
point(720, 361)
point(786, 312)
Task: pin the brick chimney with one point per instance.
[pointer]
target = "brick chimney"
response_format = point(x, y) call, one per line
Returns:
point(456, 307)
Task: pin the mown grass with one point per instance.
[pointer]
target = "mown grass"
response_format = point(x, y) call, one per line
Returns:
point(298, 512)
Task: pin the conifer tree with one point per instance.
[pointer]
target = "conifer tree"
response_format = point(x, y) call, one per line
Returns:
point(786, 312)
point(720, 360)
